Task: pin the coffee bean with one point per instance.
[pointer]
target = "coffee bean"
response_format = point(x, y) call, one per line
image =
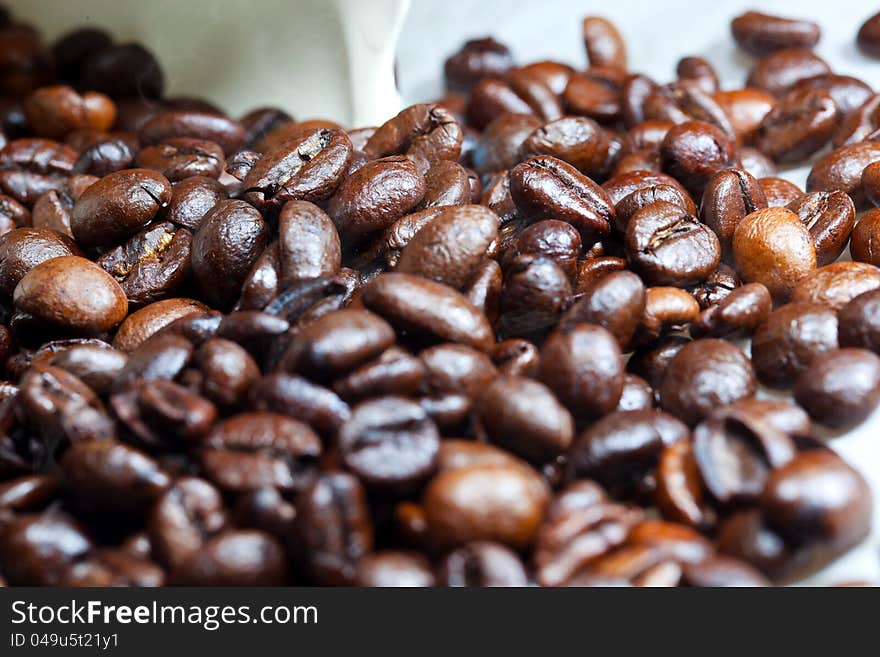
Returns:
point(849, 93)
point(228, 372)
point(37, 549)
point(24, 248)
point(666, 309)
point(447, 183)
point(841, 387)
point(557, 240)
point(700, 71)
point(790, 339)
point(740, 312)
point(422, 132)
point(705, 374)
point(477, 59)
point(319, 407)
point(773, 247)
point(141, 325)
point(55, 111)
point(830, 217)
point(859, 322)
point(780, 70)
point(868, 38)
point(394, 568)
point(629, 205)
point(779, 192)
point(161, 413)
point(836, 284)
point(615, 302)
point(841, 169)
point(668, 246)
point(760, 34)
point(178, 158)
point(32, 167)
point(122, 71)
point(163, 356)
point(192, 198)
point(483, 564)
point(800, 124)
point(235, 558)
point(694, 151)
point(118, 205)
point(534, 295)
point(579, 141)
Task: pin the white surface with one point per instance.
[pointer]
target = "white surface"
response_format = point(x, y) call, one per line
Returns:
point(293, 53)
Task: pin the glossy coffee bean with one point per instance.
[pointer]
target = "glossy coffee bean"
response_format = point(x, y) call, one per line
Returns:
point(392, 568)
point(837, 284)
point(729, 196)
point(773, 247)
point(868, 38)
point(535, 293)
point(228, 372)
point(800, 124)
point(37, 549)
point(122, 71)
point(476, 59)
point(604, 44)
point(840, 388)
point(739, 313)
point(779, 192)
point(859, 322)
point(760, 34)
point(693, 152)
point(830, 218)
point(425, 133)
point(557, 240)
point(55, 111)
point(178, 158)
point(579, 141)
point(24, 248)
point(191, 199)
point(95, 366)
point(780, 70)
point(841, 169)
point(144, 323)
point(629, 205)
point(235, 558)
point(705, 374)
point(615, 302)
point(73, 294)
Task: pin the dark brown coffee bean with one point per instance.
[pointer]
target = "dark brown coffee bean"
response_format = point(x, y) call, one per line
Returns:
point(492, 98)
point(735, 453)
point(393, 568)
point(705, 374)
point(423, 132)
point(629, 205)
point(760, 256)
point(729, 196)
point(760, 34)
point(395, 372)
point(837, 284)
point(111, 477)
point(849, 93)
point(615, 302)
point(637, 395)
point(482, 564)
point(183, 123)
point(790, 339)
point(700, 71)
point(32, 167)
point(118, 205)
point(756, 163)
point(307, 167)
point(447, 183)
point(818, 497)
point(178, 158)
point(557, 240)
point(451, 246)
point(779, 192)
point(113, 567)
point(841, 169)
point(251, 450)
point(666, 309)
point(784, 416)
point(335, 526)
point(694, 151)
point(228, 372)
point(547, 188)
point(73, 294)
point(840, 388)
point(501, 141)
point(536, 292)
point(679, 492)
point(28, 492)
point(868, 38)
point(389, 442)
point(779, 71)
point(229, 240)
point(516, 357)
point(860, 321)
point(427, 309)
point(668, 246)
point(319, 407)
point(456, 368)
point(715, 287)
point(523, 416)
point(604, 45)
point(475, 60)
point(739, 313)
point(191, 199)
point(503, 503)
point(141, 325)
point(800, 124)
point(37, 549)
point(594, 96)
point(24, 248)
point(122, 71)
point(161, 357)
point(55, 111)
point(95, 366)
point(236, 557)
point(579, 141)
point(60, 407)
point(104, 157)
point(830, 217)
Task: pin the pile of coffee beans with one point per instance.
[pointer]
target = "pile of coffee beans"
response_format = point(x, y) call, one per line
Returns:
point(498, 340)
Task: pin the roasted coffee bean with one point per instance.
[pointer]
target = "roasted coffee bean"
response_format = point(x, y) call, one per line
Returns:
point(427, 309)
point(497, 502)
point(637, 395)
point(666, 309)
point(635, 89)
point(395, 372)
point(516, 357)
point(860, 321)
point(151, 264)
point(679, 491)
point(425, 132)
point(122, 71)
point(183, 123)
point(615, 302)
point(456, 368)
point(24, 248)
point(73, 294)
point(178, 158)
point(756, 163)
point(760, 34)
point(800, 124)
point(694, 151)
point(70, 51)
point(447, 183)
point(700, 71)
point(307, 167)
point(784, 416)
point(790, 339)
point(13, 214)
point(841, 387)
point(668, 246)
point(113, 567)
point(629, 205)
point(837, 284)
point(104, 157)
point(483, 564)
point(161, 413)
point(871, 182)
point(868, 38)
point(773, 247)
point(95, 366)
point(547, 188)
point(141, 325)
point(779, 71)
point(490, 99)
point(746, 109)
point(729, 196)
point(60, 407)
point(841, 169)
point(390, 443)
point(703, 375)
point(818, 497)
point(734, 454)
point(623, 446)
point(28, 492)
point(524, 417)
point(779, 192)
point(53, 112)
point(536, 292)
point(501, 142)
point(118, 205)
point(319, 407)
point(227, 243)
point(191, 199)
point(604, 45)
point(830, 218)
point(594, 96)
point(579, 141)
point(739, 313)
point(863, 244)
point(161, 357)
point(111, 477)
point(557, 240)
point(451, 246)
point(32, 167)
point(236, 557)
point(228, 372)
point(849, 93)
point(393, 568)
point(334, 524)
point(376, 195)
point(37, 549)
point(476, 59)
point(251, 450)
